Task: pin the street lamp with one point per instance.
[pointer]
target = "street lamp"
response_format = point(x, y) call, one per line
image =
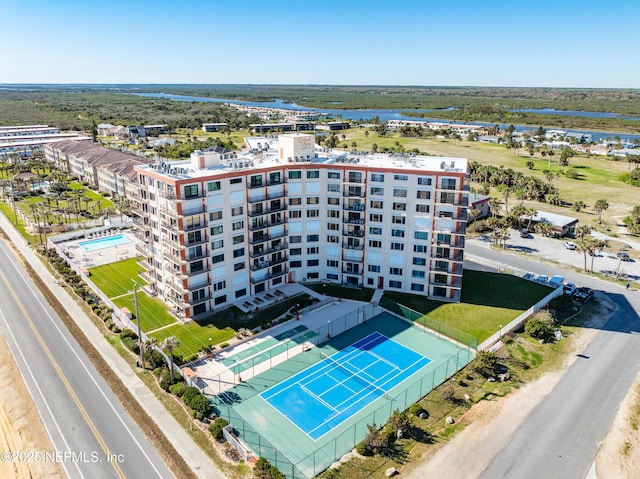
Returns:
point(500, 337)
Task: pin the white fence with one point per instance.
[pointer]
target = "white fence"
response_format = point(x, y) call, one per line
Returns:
point(520, 320)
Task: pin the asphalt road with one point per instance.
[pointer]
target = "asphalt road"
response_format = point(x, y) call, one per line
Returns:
point(92, 435)
point(561, 436)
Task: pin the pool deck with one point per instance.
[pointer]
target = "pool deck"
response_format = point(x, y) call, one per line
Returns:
point(89, 259)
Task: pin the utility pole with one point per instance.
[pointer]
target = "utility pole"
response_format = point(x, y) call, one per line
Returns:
point(135, 297)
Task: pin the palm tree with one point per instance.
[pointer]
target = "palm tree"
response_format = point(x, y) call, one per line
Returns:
point(169, 344)
point(474, 213)
point(149, 345)
point(494, 205)
point(582, 230)
point(600, 206)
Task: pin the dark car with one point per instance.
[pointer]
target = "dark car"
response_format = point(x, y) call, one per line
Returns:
point(582, 295)
point(623, 256)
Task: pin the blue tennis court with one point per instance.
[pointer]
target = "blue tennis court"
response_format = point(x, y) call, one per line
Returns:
point(326, 394)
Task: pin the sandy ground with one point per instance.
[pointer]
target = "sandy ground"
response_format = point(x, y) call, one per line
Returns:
point(23, 439)
point(492, 423)
point(619, 454)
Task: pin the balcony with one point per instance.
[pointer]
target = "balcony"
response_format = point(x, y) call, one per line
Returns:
point(267, 197)
point(451, 281)
point(205, 269)
point(171, 213)
point(203, 254)
point(167, 195)
point(169, 225)
point(267, 182)
point(354, 207)
point(356, 233)
point(353, 221)
point(266, 211)
point(193, 227)
point(267, 251)
point(267, 237)
point(192, 210)
point(347, 193)
point(266, 224)
point(200, 299)
point(266, 264)
point(203, 239)
point(177, 288)
point(357, 247)
point(148, 277)
point(272, 275)
point(141, 249)
point(352, 271)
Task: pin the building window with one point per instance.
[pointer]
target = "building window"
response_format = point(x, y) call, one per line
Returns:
point(420, 261)
point(422, 208)
point(416, 273)
point(400, 192)
point(375, 230)
point(295, 175)
point(256, 180)
point(400, 177)
point(237, 253)
point(213, 186)
point(377, 190)
point(333, 201)
point(443, 238)
point(215, 215)
point(274, 177)
point(333, 214)
point(398, 220)
point(239, 266)
point(295, 239)
point(395, 271)
point(296, 264)
point(376, 204)
point(377, 177)
point(220, 299)
point(332, 276)
point(238, 210)
point(313, 262)
point(397, 246)
point(295, 251)
point(293, 214)
point(333, 187)
point(334, 175)
point(238, 239)
point(194, 237)
point(423, 195)
point(374, 268)
point(333, 226)
point(375, 243)
point(313, 213)
point(333, 239)
point(423, 180)
point(397, 233)
point(421, 235)
point(449, 183)
point(313, 238)
point(313, 250)
point(417, 287)
point(196, 266)
point(191, 191)
point(420, 248)
point(395, 284)
point(332, 263)
point(400, 206)
point(241, 292)
point(219, 258)
point(216, 230)
point(237, 225)
point(295, 201)
point(375, 217)
point(313, 200)
point(217, 244)
point(219, 285)
point(235, 181)
point(313, 174)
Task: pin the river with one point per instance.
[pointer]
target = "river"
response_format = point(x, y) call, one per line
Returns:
point(385, 115)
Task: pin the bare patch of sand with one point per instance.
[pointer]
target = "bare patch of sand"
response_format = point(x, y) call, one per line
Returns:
point(22, 435)
point(492, 423)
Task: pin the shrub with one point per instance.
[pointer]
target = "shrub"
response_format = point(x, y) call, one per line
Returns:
point(540, 325)
point(416, 409)
point(484, 363)
point(131, 344)
point(166, 382)
point(178, 389)
point(216, 427)
point(264, 470)
point(363, 449)
point(224, 345)
point(129, 333)
point(190, 393)
point(376, 439)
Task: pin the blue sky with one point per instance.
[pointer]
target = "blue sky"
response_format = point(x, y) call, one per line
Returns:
point(485, 43)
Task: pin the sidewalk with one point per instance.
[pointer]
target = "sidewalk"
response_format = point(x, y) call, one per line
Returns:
point(184, 445)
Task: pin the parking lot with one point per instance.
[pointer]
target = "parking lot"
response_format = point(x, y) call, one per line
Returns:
point(553, 249)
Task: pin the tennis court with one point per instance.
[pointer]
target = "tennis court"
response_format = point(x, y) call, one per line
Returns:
point(319, 398)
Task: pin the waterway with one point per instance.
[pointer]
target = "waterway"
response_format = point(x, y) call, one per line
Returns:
point(385, 115)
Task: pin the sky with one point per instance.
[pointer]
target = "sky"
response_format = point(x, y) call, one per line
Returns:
point(561, 43)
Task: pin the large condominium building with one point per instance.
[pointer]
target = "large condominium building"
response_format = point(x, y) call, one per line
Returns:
point(222, 226)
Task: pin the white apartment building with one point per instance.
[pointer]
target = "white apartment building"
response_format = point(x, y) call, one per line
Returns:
point(223, 226)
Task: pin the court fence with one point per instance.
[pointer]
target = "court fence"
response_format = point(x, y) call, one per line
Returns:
point(398, 399)
point(434, 325)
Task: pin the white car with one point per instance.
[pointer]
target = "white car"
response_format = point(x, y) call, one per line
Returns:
point(569, 288)
point(569, 245)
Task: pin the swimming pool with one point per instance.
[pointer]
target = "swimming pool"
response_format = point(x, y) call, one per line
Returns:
point(106, 242)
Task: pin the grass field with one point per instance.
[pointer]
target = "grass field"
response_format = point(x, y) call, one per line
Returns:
point(195, 336)
point(488, 301)
point(115, 279)
point(154, 313)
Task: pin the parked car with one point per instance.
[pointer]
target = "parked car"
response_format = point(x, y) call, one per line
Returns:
point(583, 294)
point(569, 288)
point(524, 233)
point(530, 276)
point(623, 256)
point(570, 245)
point(543, 279)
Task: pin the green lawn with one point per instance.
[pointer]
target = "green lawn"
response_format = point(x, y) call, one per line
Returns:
point(488, 301)
point(117, 278)
point(194, 336)
point(154, 313)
